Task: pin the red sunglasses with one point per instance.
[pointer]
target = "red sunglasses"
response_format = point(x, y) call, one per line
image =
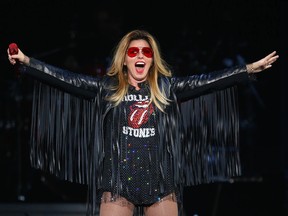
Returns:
point(146, 51)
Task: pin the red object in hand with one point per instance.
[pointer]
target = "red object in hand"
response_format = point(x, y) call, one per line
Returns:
point(13, 49)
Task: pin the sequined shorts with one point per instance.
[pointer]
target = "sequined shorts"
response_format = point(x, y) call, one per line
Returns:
point(122, 201)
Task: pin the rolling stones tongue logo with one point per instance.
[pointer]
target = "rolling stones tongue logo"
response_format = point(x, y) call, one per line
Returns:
point(139, 113)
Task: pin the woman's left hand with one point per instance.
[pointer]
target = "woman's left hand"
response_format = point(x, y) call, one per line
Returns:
point(263, 63)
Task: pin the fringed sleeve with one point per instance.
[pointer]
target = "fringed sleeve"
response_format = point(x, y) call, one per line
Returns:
point(208, 107)
point(211, 137)
point(64, 113)
point(60, 133)
point(66, 138)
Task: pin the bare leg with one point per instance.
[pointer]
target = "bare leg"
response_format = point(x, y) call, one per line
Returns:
point(166, 207)
point(119, 207)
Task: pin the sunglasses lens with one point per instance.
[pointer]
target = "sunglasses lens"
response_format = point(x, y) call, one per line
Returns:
point(147, 51)
point(132, 51)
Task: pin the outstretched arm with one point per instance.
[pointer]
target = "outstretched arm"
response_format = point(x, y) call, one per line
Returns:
point(187, 87)
point(75, 83)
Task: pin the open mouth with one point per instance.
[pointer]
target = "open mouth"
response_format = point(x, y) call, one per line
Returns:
point(140, 66)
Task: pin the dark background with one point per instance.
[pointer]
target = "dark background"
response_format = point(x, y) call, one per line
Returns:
point(195, 36)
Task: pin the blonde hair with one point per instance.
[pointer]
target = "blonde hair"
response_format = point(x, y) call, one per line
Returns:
point(118, 69)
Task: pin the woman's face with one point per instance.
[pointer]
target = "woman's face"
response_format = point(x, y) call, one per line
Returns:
point(138, 59)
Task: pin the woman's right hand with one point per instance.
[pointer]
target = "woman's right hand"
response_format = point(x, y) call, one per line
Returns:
point(19, 57)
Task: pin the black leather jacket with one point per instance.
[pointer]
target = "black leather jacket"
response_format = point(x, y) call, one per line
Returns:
point(192, 125)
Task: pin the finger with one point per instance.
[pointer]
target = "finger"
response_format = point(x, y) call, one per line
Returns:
point(271, 54)
point(272, 60)
point(12, 61)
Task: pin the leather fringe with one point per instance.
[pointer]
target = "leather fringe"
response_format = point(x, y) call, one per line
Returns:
point(211, 137)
